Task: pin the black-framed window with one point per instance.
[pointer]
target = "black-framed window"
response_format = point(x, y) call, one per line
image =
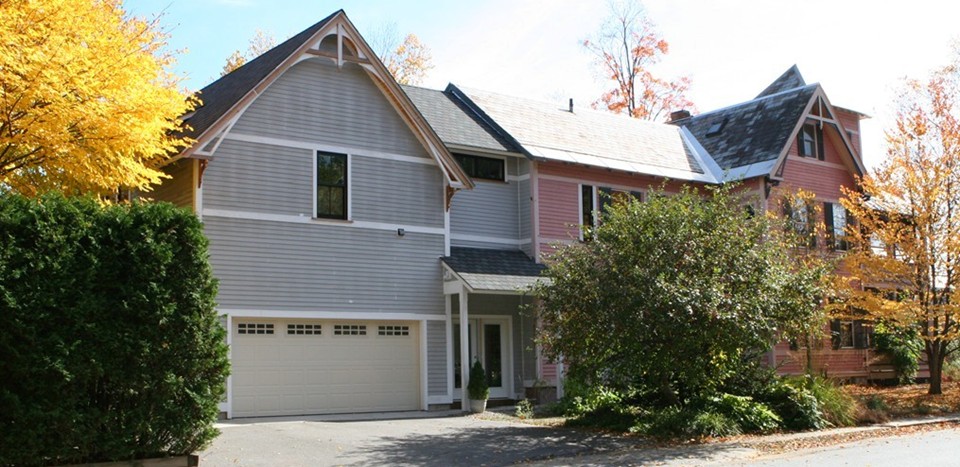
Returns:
point(851, 334)
point(810, 141)
point(331, 185)
point(835, 217)
point(485, 168)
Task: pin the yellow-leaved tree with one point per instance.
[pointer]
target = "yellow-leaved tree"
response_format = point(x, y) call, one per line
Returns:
point(907, 243)
point(261, 42)
point(86, 100)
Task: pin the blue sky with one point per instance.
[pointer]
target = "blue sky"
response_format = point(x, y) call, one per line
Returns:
point(858, 50)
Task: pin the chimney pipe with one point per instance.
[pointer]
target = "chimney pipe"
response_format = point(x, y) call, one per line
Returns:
point(678, 115)
point(571, 105)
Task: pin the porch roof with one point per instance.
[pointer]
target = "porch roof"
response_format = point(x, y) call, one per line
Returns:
point(484, 270)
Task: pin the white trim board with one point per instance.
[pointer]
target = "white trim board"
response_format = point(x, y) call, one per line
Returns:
point(488, 239)
point(342, 315)
point(304, 219)
point(289, 143)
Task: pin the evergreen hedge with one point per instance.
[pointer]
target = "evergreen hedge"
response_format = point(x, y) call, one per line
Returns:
point(110, 347)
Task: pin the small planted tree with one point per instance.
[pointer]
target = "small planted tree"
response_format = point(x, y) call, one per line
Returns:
point(673, 295)
point(477, 387)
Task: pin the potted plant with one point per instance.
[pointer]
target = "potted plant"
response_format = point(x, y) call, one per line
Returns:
point(477, 388)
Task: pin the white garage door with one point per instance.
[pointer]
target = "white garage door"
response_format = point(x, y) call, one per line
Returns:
point(298, 367)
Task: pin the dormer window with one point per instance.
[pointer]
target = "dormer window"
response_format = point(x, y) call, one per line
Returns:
point(484, 168)
point(810, 141)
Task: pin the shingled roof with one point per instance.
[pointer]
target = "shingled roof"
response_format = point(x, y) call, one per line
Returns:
point(751, 132)
point(493, 270)
point(790, 79)
point(552, 132)
point(219, 96)
point(454, 123)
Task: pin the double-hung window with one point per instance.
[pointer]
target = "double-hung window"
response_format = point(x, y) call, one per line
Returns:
point(810, 140)
point(332, 185)
point(835, 217)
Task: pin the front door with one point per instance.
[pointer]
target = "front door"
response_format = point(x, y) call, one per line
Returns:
point(488, 343)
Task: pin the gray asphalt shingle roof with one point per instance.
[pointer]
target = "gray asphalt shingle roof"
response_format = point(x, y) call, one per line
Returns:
point(501, 270)
point(590, 137)
point(751, 132)
point(453, 122)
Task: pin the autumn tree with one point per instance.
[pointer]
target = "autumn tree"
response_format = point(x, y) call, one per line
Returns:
point(260, 42)
point(408, 60)
point(86, 100)
point(626, 48)
point(908, 245)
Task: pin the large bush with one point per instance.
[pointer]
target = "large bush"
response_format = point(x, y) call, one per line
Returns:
point(111, 348)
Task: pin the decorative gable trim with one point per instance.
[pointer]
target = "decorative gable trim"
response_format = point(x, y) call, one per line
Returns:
point(855, 163)
point(347, 35)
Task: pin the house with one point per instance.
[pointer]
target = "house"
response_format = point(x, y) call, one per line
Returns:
point(372, 240)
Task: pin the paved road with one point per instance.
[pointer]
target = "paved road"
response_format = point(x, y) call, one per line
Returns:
point(929, 449)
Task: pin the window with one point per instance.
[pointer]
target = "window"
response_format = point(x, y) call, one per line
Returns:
point(835, 217)
point(587, 205)
point(855, 334)
point(810, 140)
point(331, 185)
point(800, 215)
point(254, 328)
point(486, 168)
point(304, 329)
point(393, 330)
point(349, 330)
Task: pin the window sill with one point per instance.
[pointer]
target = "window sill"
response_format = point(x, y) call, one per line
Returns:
point(326, 220)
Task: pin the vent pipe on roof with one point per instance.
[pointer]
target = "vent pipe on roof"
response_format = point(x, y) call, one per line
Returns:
point(571, 105)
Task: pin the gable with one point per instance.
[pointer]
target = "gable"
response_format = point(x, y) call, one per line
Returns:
point(334, 39)
point(313, 101)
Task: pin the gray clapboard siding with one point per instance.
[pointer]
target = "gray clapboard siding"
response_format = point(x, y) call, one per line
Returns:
point(265, 265)
point(396, 191)
point(490, 209)
point(436, 358)
point(523, 324)
point(256, 177)
point(179, 188)
point(526, 221)
point(313, 101)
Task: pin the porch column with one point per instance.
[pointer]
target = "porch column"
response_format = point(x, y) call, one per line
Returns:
point(464, 350)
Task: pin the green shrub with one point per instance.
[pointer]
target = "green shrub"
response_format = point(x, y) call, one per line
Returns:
point(749, 415)
point(713, 424)
point(524, 409)
point(904, 347)
point(796, 406)
point(111, 346)
point(838, 407)
point(478, 388)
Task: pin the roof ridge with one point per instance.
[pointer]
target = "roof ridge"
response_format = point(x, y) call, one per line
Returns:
point(751, 101)
point(589, 110)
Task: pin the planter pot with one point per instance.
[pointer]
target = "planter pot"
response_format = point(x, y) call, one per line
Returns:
point(477, 406)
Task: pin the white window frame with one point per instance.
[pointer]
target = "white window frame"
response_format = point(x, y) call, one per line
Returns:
point(593, 204)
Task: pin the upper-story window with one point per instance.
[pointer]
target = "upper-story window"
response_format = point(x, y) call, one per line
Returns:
point(595, 201)
point(484, 168)
point(801, 217)
point(810, 140)
point(835, 217)
point(332, 185)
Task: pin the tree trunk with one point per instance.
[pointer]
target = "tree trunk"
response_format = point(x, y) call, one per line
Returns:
point(935, 362)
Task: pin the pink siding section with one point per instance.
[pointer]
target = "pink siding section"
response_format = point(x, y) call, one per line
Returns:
point(824, 178)
point(559, 209)
point(851, 121)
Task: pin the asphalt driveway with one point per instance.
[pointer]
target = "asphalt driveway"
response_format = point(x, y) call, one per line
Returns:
point(442, 439)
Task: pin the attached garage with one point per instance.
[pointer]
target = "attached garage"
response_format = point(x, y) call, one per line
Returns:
point(300, 367)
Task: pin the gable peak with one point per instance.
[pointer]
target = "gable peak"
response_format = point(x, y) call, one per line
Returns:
point(790, 79)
